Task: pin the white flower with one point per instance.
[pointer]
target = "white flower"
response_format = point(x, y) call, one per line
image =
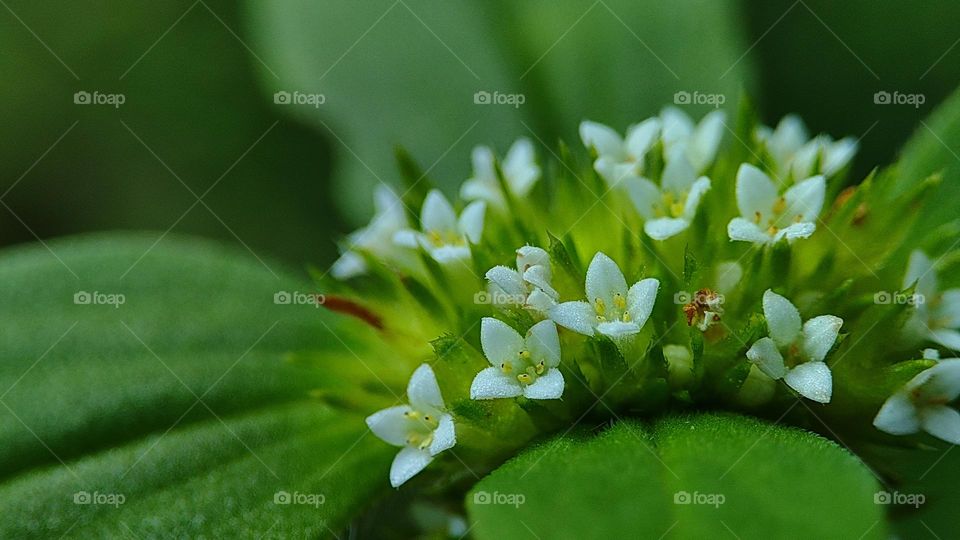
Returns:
point(611, 309)
point(668, 209)
point(804, 348)
point(922, 404)
point(528, 285)
point(519, 168)
point(697, 143)
point(521, 366)
point(619, 158)
point(938, 312)
point(376, 238)
point(796, 156)
point(444, 236)
point(768, 217)
point(422, 429)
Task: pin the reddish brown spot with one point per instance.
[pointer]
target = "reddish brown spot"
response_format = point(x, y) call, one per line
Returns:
point(346, 306)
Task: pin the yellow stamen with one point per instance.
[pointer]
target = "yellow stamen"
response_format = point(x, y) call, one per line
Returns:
point(525, 378)
point(599, 306)
point(619, 301)
point(506, 368)
point(540, 367)
point(626, 317)
point(780, 205)
point(525, 355)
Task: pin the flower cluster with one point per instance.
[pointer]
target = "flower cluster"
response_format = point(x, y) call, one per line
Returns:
point(571, 276)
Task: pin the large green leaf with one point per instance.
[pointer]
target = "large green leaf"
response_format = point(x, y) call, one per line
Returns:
point(702, 476)
point(179, 399)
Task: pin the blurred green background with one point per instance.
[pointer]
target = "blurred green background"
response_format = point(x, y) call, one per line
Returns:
point(286, 180)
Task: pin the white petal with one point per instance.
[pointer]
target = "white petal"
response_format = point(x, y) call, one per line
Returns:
point(789, 136)
point(811, 380)
point(663, 228)
point(528, 256)
point(767, 357)
point(931, 354)
point(482, 158)
point(898, 415)
point(755, 192)
point(391, 424)
point(746, 231)
point(484, 190)
point(577, 316)
point(949, 310)
point(448, 254)
point(941, 382)
point(407, 464)
point(942, 422)
point(604, 279)
point(541, 301)
point(389, 208)
point(805, 199)
point(548, 386)
point(540, 277)
point(678, 174)
point(697, 191)
point(920, 271)
point(729, 274)
point(508, 279)
point(644, 194)
point(445, 436)
point(602, 138)
point(805, 158)
point(677, 125)
point(819, 335)
point(437, 214)
point(641, 137)
point(493, 383)
point(783, 319)
point(406, 238)
point(520, 158)
point(706, 140)
point(618, 329)
point(471, 221)
point(838, 155)
point(640, 299)
point(948, 338)
point(423, 390)
point(500, 342)
point(543, 342)
point(348, 265)
point(795, 231)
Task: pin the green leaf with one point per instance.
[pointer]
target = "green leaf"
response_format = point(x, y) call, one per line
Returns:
point(702, 476)
point(179, 400)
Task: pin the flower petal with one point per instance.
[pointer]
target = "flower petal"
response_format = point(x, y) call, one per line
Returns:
point(540, 301)
point(640, 299)
point(949, 312)
point(811, 380)
point(644, 194)
point(437, 214)
point(528, 256)
point(948, 338)
point(548, 386)
point(520, 167)
point(447, 254)
point(677, 126)
point(729, 274)
point(604, 279)
point(805, 199)
point(484, 190)
point(471, 221)
point(663, 228)
point(509, 280)
point(789, 136)
point(920, 271)
point(500, 342)
point(838, 155)
point(540, 277)
point(767, 357)
point(482, 158)
point(445, 436)
point(747, 231)
point(795, 231)
point(756, 193)
point(783, 319)
point(577, 316)
point(618, 329)
point(349, 265)
point(406, 238)
point(391, 425)
point(942, 422)
point(423, 390)
point(942, 382)
point(678, 174)
point(493, 383)
point(898, 415)
point(819, 335)
point(408, 462)
point(601, 138)
point(641, 137)
point(543, 342)
point(706, 140)
point(700, 187)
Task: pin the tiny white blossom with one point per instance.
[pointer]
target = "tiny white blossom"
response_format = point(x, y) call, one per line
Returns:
point(422, 429)
point(618, 157)
point(922, 404)
point(611, 309)
point(937, 316)
point(528, 286)
point(668, 209)
point(766, 217)
point(698, 143)
point(520, 170)
point(796, 154)
point(793, 352)
point(376, 238)
point(520, 366)
point(445, 236)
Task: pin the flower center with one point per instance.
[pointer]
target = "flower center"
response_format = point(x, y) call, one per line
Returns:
point(618, 312)
point(777, 219)
point(445, 238)
point(422, 426)
point(527, 370)
point(670, 205)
